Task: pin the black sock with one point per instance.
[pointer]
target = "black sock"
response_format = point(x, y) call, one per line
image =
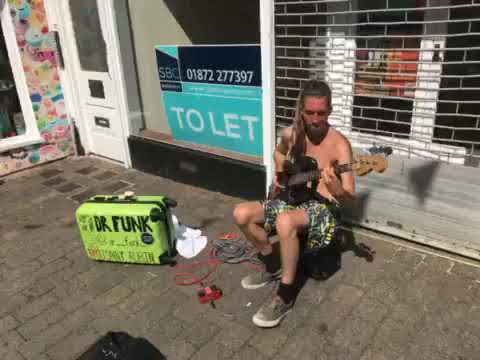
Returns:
point(287, 292)
point(271, 261)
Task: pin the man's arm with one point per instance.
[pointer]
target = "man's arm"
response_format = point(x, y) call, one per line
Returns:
point(343, 190)
point(281, 150)
point(280, 153)
point(348, 178)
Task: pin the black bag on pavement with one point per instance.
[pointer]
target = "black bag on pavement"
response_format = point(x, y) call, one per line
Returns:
point(122, 346)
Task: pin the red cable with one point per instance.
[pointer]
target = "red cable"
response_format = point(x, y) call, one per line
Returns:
point(190, 277)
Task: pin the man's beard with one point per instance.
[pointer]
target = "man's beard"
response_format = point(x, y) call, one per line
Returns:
point(316, 133)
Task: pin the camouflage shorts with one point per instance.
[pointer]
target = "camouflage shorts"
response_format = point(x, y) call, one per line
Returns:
point(324, 219)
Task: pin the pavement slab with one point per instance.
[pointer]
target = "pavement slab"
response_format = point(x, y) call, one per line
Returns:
point(387, 300)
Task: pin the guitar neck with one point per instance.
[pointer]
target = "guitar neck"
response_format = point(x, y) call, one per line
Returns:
point(317, 174)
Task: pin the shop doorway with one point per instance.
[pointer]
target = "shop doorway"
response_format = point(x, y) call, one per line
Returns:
point(86, 35)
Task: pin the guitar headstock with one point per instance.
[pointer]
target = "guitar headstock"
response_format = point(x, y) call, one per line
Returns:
point(366, 163)
point(385, 150)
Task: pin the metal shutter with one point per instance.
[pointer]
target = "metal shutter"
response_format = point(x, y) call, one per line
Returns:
point(404, 73)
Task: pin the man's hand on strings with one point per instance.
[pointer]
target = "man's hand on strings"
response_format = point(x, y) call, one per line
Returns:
point(332, 182)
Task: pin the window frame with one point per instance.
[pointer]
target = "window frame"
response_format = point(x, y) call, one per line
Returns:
point(32, 134)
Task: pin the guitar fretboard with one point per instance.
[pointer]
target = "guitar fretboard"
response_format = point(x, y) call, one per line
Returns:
point(316, 174)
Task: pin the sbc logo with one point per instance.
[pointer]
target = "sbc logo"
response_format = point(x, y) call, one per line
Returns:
point(168, 73)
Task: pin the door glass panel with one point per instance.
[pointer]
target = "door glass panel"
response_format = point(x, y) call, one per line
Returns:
point(11, 118)
point(91, 46)
point(96, 89)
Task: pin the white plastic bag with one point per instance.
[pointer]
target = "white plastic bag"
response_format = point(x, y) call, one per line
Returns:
point(190, 242)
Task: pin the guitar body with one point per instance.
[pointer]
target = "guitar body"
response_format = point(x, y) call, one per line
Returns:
point(297, 194)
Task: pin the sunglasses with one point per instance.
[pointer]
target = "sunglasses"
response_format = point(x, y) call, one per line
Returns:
point(311, 113)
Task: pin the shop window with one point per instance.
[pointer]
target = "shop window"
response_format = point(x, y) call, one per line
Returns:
point(17, 122)
point(184, 23)
point(11, 117)
point(386, 68)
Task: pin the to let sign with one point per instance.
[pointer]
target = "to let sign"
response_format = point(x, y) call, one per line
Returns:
point(213, 95)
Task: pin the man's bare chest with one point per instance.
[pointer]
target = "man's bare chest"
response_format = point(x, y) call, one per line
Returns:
point(324, 155)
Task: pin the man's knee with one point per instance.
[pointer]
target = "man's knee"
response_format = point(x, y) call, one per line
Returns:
point(242, 214)
point(285, 225)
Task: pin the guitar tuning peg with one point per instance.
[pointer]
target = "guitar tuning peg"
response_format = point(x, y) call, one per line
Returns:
point(386, 150)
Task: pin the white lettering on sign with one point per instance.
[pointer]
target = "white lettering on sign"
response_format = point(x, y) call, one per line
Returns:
point(212, 124)
point(179, 111)
point(199, 117)
point(229, 127)
point(250, 120)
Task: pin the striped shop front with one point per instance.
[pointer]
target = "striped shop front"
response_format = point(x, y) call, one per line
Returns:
point(405, 74)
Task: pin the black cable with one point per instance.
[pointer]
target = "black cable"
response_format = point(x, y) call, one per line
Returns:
point(234, 252)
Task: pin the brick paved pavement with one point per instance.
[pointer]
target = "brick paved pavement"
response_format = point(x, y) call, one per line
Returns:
point(54, 302)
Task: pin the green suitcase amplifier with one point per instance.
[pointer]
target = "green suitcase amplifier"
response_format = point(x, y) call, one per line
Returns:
point(128, 228)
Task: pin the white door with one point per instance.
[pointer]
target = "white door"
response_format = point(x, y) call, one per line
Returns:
point(88, 48)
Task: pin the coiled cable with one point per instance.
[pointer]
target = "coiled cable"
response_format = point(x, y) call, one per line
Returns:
point(234, 252)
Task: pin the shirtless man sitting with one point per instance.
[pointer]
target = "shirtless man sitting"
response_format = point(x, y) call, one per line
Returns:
point(316, 218)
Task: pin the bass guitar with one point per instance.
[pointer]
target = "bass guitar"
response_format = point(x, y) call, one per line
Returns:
point(296, 176)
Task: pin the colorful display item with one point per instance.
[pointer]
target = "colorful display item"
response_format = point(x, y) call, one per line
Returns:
point(128, 228)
